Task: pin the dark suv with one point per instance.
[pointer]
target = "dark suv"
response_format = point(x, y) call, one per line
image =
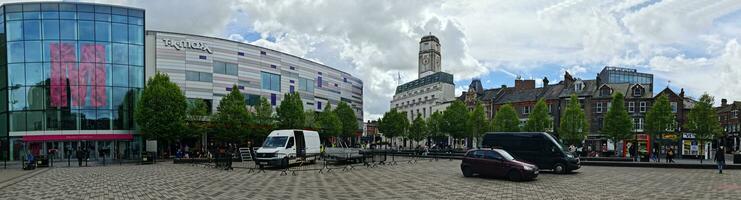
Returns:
point(498, 163)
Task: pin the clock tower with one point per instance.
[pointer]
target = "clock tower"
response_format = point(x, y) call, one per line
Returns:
point(429, 55)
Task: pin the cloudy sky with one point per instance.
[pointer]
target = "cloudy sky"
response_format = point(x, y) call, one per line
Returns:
point(691, 44)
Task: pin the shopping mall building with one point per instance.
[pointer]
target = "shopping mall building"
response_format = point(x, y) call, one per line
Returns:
point(72, 73)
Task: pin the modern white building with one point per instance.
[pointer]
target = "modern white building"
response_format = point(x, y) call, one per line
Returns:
point(206, 68)
point(432, 91)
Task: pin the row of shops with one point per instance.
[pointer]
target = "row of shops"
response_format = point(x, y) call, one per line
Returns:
point(685, 145)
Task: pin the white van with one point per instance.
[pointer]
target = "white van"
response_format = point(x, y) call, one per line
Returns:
point(284, 147)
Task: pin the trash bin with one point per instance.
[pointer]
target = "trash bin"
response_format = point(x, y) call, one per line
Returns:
point(147, 158)
point(737, 158)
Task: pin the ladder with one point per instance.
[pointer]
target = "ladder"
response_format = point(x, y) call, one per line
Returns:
point(244, 153)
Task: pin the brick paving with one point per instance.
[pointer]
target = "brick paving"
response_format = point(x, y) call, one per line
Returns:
point(424, 180)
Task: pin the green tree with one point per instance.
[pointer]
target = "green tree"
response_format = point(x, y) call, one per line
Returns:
point(539, 120)
point(455, 120)
point(618, 125)
point(311, 120)
point(659, 118)
point(347, 119)
point(196, 119)
point(232, 118)
point(477, 123)
point(574, 127)
point(434, 124)
point(291, 112)
point(393, 124)
point(506, 119)
point(160, 112)
point(418, 129)
point(264, 121)
point(703, 120)
point(329, 122)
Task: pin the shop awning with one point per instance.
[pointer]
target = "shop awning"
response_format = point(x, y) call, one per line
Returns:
point(66, 137)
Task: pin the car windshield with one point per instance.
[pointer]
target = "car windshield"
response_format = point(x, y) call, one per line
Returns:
point(273, 142)
point(504, 154)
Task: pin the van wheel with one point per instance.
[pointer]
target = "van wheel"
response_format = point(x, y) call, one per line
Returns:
point(284, 163)
point(514, 176)
point(467, 172)
point(559, 168)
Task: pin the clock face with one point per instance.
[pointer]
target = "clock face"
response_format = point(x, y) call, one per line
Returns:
point(425, 59)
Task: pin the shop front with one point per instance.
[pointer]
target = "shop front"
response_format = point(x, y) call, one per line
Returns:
point(62, 147)
point(642, 143)
point(693, 148)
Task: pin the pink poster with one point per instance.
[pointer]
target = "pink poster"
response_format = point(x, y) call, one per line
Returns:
point(90, 73)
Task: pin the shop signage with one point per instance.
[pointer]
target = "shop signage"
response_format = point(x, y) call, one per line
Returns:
point(688, 136)
point(187, 45)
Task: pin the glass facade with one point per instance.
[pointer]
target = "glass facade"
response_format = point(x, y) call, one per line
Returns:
point(625, 75)
point(69, 67)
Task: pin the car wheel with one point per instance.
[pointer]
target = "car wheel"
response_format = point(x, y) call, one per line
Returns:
point(559, 168)
point(514, 176)
point(284, 163)
point(467, 172)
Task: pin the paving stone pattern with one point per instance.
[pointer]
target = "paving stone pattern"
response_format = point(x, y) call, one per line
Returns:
point(423, 180)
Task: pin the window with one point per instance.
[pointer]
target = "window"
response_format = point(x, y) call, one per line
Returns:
point(674, 106)
point(631, 107)
point(305, 84)
point(638, 124)
point(598, 108)
point(319, 81)
point(273, 99)
point(291, 89)
point(636, 91)
point(270, 81)
point(31, 30)
point(263, 53)
point(136, 34)
point(240, 53)
point(225, 68)
point(526, 110)
point(102, 31)
point(202, 57)
point(51, 29)
point(319, 105)
point(119, 33)
point(198, 76)
point(643, 106)
point(734, 114)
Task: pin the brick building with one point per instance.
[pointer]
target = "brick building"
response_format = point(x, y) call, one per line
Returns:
point(730, 123)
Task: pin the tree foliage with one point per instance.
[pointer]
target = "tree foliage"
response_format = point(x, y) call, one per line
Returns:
point(660, 117)
point(291, 112)
point(418, 129)
point(477, 121)
point(196, 122)
point(347, 119)
point(539, 120)
point(232, 118)
point(455, 120)
point(311, 120)
point(703, 120)
point(506, 119)
point(618, 125)
point(264, 120)
point(434, 125)
point(160, 112)
point(574, 127)
point(330, 125)
point(393, 124)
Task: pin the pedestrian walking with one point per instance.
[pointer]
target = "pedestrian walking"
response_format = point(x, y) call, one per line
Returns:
point(670, 155)
point(655, 155)
point(720, 158)
point(634, 152)
point(78, 155)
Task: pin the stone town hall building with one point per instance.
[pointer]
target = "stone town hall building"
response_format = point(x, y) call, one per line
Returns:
point(594, 95)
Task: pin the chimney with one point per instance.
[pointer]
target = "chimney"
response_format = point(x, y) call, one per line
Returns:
point(681, 93)
point(545, 81)
point(723, 102)
point(567, 79)
point(524, 84)
point(504, 86)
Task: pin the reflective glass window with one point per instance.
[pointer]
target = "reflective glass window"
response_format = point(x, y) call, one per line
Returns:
point(51, 29)
point(104, 120)
point(67, 15)
point(31, 7)
point(219, 67)
point(120, 53)
point(102, 17)
point(31, 15)
point(15, 30)
point(191, 76)
point(14, 16)
point(121, 75)
point(33, 51)
point(104, 52)
point(67, 7)
point(120, 19)
point(136, 35)
point(15, 52)
point(68, 29)
point(18, 121)
point(232, 69)
point(14, 8)
point(88, 119)
point(136, 55)
point(17, 98)
point(36, 97)
point(86, 30)
point(16, 74)
point(34, 74)
point(49, 7)
point(136, 20)
point(102, 31)
point(50, 15)
point(136, 76)
point(118, 98)
point(86, 16)
point(119, 33)
point(31, 30)
point(205, 77)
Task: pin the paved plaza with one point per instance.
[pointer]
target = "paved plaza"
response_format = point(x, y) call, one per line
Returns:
point(423, 180)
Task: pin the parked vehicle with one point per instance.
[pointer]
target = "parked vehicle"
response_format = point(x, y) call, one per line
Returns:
point(498, 163)
point(538, 148)
point(284, 147)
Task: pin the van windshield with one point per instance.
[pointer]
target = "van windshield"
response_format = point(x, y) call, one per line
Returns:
point(556, 143)
point(273, 142)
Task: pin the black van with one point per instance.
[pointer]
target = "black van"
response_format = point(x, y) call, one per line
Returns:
point(537, 148)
